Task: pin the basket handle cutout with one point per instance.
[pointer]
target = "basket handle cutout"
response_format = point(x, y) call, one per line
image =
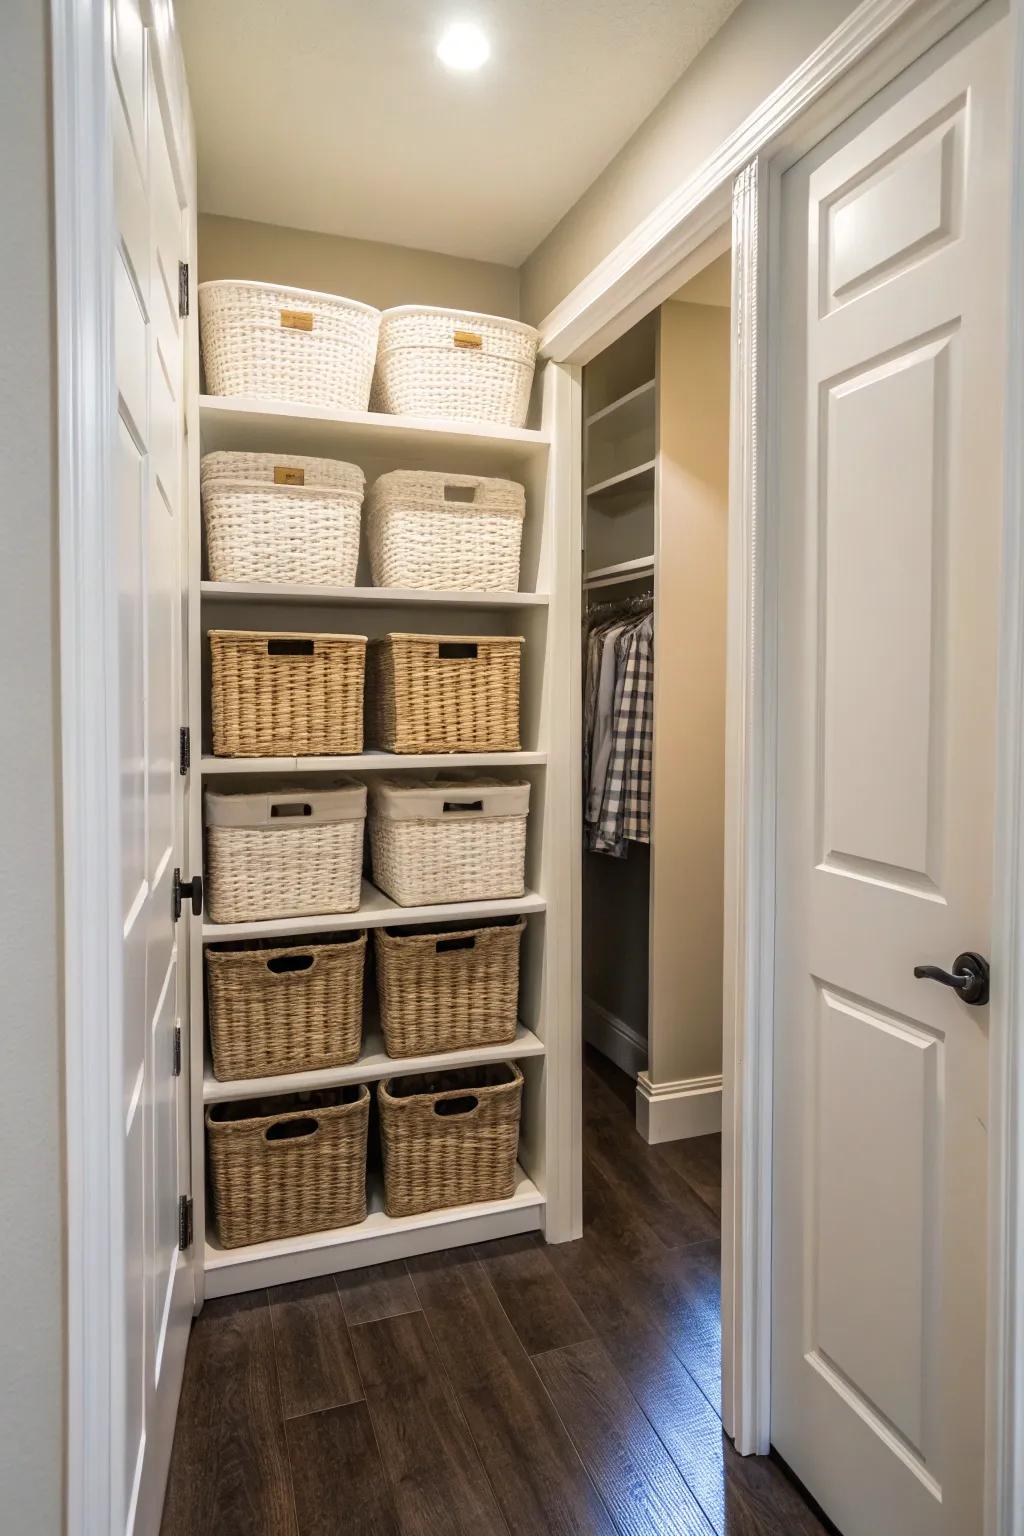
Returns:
point(451, 651)
point(455, 805)
point(292, 808)
point(465, 1104)
point(460, 492)
point(283, 963)
point(292, 1130)
point(443, 945)
point(289, 647)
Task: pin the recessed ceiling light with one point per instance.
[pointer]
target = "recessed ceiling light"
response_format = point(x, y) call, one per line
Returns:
point(463, 46)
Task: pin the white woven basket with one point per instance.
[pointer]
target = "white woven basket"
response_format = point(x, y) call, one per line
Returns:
point(455, 364)
point(276, 343)
point(288, 852)
point(452, 839)
point(281, 517)
point(446, 532)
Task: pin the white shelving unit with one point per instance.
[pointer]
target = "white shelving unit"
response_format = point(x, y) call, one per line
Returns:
point(543, 458)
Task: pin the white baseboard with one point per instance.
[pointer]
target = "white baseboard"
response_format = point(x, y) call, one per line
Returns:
point(673, 1111)
point(614, 1038)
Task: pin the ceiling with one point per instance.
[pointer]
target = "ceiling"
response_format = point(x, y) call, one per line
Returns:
point(335, 115)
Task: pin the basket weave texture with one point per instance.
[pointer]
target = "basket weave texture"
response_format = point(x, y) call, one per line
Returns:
point(277, 1010)
point(300, 528)
point(454, 364)
point(471, 858)
point(283, 1166)
point(276, 343)
point(445, 532)
point(285, 694)
point(445, 693)
point(434, 1158)
point(448, 989)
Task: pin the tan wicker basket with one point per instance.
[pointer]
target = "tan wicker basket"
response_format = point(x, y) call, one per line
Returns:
point(273, 1011)
point(281, 517)
point(445, 532)
point(444, 693)
point(285, 694)
point(449, 1138)
point(448, 839)
point(283, 1166)
point(446, 988)
point(275, 343)
point(284, 852)
point(454, 363)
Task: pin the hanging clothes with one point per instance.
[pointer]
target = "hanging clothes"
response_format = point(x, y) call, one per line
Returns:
point(618, 730)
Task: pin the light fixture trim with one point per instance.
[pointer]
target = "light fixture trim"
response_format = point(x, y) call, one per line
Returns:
point(463, 46)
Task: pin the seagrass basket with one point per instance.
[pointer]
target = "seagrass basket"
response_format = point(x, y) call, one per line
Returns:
point(445, 532)
point(448, 986)
point(454, 363)
point(449, 1138)
point(275, 343)
point(282, 518)
point(274, 1010)
point(285, 694)
point(444, 693)
point(287, 1165)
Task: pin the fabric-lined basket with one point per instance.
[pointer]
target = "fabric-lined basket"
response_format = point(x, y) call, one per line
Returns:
point(281, 517)
point(445, 693)
point(275, 343)
point(448, 839)
point(454, 363)
point(285, 851)
point(287, 1165)
point(449, 986)
point(276, 1010)
point(449, 1138)
point(286, 694)
point(445, 532)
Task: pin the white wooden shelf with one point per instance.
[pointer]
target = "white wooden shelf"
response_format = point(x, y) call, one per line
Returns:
point(375, 911)
point(274, 426)
point(625, 570)
point(357, 597)
point(371, 762)
point(373, 1064)
point(636, 481)
point(378, 1239)
point(629, 413)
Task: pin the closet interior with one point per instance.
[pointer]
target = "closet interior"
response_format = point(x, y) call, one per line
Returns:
point(655, 524)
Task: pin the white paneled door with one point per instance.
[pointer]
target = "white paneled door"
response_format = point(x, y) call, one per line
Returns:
point(157, 1283)
point(892, 346)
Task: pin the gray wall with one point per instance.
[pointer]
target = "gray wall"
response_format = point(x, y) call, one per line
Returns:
point(762, 42)
point(31, 1192)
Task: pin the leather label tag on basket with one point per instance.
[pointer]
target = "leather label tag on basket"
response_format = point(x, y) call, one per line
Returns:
point(297, 319)
point(287, 474)
point(468, 339)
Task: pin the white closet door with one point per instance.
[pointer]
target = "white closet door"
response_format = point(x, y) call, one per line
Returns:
point(158, 1287)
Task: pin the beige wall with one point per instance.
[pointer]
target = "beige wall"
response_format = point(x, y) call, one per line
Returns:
point(762, 42)
point(31, 1181)
point(685, 1038)
point(360, 269)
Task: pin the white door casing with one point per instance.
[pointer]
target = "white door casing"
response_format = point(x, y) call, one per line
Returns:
point(150, 485)
point(894, 233)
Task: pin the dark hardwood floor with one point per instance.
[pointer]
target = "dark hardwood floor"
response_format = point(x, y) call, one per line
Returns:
point(511, 1389)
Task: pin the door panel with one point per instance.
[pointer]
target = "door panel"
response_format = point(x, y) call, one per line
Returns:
point(894, 232)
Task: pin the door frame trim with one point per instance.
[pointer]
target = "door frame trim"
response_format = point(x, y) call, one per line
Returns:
point(741, 179)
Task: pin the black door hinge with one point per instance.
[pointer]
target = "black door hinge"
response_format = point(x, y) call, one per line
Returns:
point(184, 749)
point(176, 1052)
point(193, 889)
point(183, 289)
point(184, 1223)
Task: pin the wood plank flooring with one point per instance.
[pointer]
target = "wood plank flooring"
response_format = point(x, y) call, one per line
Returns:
point(512, 1389)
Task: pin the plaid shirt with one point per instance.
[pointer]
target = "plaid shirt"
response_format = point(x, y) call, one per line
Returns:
point(626, 805)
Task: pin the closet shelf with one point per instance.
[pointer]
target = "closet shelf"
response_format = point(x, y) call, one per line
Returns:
point(625, 570)
point(373, 1064)
point(371, 762)
point(629, 413)
point(376, 1240)
point(375, 911)
point(636, 481)
point(273, 426)
point(280, 592)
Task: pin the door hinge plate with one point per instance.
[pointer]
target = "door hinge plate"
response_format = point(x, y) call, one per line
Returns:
point(176, 1052)
point(184, 749)
point(183, 289)
point(184, 1223)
